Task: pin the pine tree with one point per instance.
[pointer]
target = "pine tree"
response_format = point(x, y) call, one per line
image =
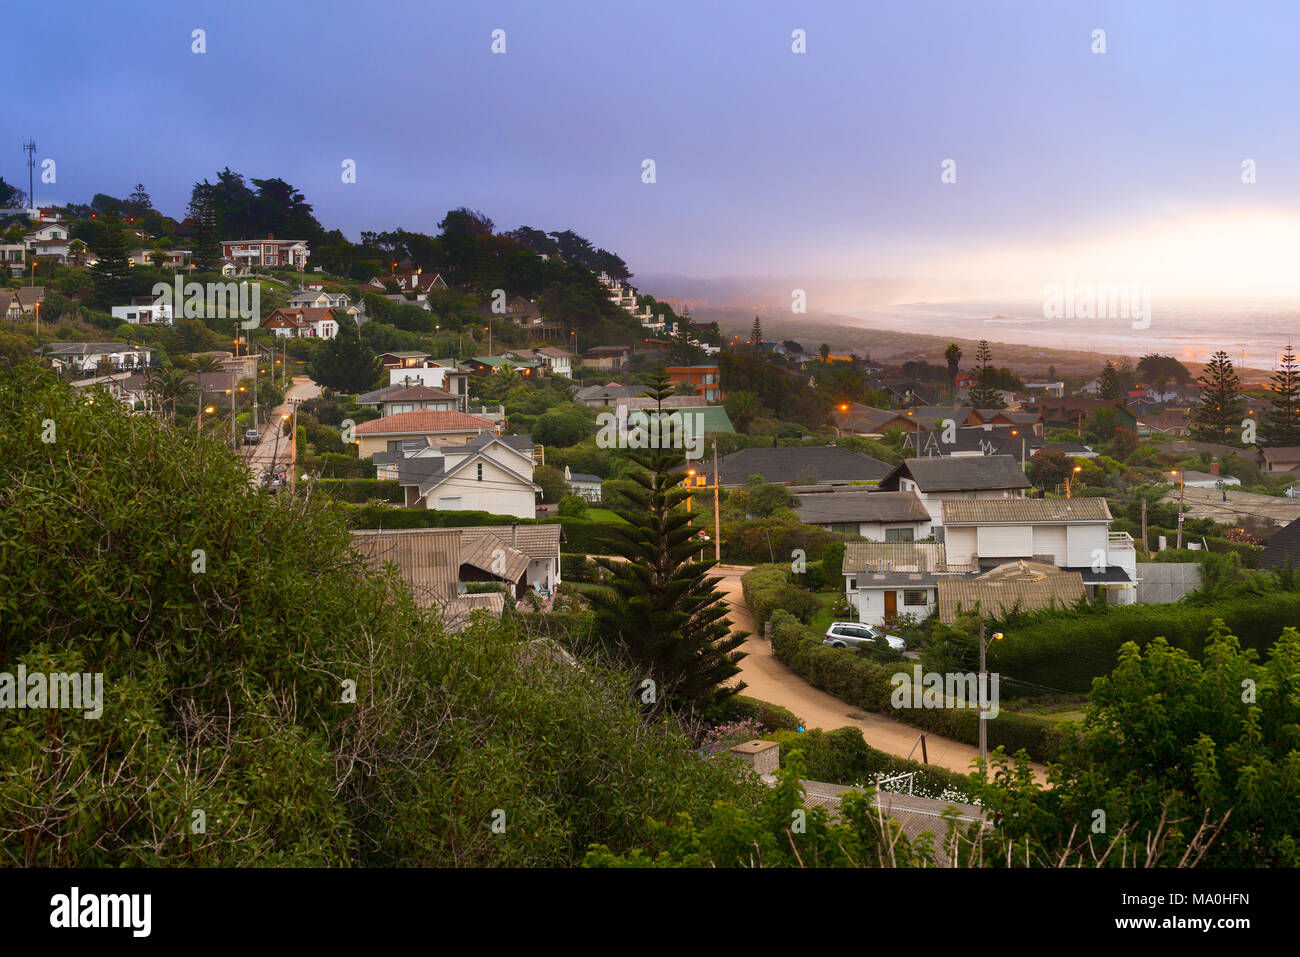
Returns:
point(1281, 425)
point(660, 609)
point(756, 333)
point(1109, 381)
point(202, 214)
point(111, 275)
point(1217, 418)
point(984, 394)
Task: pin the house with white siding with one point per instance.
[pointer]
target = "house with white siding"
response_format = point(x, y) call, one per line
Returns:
point(941, 478)
point(1072, 534)
point(876, 516)
point(490, 473)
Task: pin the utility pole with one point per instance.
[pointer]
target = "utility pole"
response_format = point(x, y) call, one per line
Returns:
point(1144, 529)
point(30, 147)
point(234, 433)
point(1180, 511)
point(979, 691)
point(293, 452)
point(717, 518)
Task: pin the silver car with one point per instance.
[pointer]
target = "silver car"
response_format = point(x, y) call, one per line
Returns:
point(854, 634)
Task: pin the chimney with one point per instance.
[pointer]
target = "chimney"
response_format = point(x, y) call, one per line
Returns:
point(1214, 466)
point(514, 535)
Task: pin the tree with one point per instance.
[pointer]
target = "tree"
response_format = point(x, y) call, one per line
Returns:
point(170, 386)
point(1102, 425)
point(1109, 382)
point(824, 351)
point(551, 481)
point(742, 408)
point(953, 355)
point(1049, 467)
point(563, 426)
point(756, 333)
point(111, 275)
point(660, 607)
point(202, 214)
point(11, 197)
point(1152, 365)
point(344, 363)
point(984, 395)
point(1217, 417)
point(238, 683)
point(1281, 425)
point(138, 203)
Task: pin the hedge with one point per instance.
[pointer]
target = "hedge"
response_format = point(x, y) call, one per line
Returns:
point(583, 536)
point(363, 490)
point(773, 717)
point(768, 588)
point(843, 756)
point(380, 516)
point(1066, 652)
point(862, 683)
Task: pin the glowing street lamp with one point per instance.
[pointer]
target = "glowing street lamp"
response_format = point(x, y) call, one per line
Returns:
point(1077, 470)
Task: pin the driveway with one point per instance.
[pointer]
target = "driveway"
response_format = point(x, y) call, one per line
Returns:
point(769, 680)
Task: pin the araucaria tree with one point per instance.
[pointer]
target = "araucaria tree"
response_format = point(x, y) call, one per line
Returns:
point(756, 333)
point(202, 214)
point(984, 394)
point(1281, 425)
point(659, 607)
point(1218, 416)
point(1108, 382)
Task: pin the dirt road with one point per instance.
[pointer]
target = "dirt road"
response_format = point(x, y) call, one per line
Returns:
point(770, 680)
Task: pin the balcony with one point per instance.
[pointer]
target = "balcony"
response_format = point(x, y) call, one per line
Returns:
point(1119, 541)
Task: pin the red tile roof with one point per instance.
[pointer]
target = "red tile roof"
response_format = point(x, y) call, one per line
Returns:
point(424, 420)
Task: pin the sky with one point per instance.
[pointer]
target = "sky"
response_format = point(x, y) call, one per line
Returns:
point(1122, 166)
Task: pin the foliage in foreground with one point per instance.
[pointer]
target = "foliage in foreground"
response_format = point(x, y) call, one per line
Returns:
point(223, 687)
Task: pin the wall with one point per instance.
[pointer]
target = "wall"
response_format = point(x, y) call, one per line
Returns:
point(499, 493)
point(1165, 582)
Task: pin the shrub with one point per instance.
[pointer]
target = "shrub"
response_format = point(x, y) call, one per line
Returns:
point(362, 490)
point(573, 506)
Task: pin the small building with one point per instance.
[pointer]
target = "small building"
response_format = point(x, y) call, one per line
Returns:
point(800, 465)
point(876, 516)
point(937, 479)
point(441, 428)
point(583, 485)
point(706, 380)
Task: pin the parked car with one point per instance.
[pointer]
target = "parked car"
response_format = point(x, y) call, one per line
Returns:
point(853, 634)
point(252, 436)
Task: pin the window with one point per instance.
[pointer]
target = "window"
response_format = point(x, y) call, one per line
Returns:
point(449, 503)
point(916, 596)
point(853, 583)
point(898, 534)
point(480, 471)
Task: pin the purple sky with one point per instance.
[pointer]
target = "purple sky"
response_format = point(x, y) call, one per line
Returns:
point(825, 164)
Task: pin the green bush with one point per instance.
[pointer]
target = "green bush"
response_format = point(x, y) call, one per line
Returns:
point(582, 535)
point(773, 717)
point(573, 506)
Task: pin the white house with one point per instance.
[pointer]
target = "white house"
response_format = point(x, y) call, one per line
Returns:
point(1071, 534)
point(253, 253)
point(940, 478)
point(489, 473)
point(50, 232)
point(883, 581)
point(583, 485)
point(146, 311)
point(876, 516)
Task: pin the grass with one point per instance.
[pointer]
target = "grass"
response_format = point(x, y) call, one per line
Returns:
point(603, 515)
point(822, 619)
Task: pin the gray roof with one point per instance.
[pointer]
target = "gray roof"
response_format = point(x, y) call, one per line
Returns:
point(959, 474)
point(608, 392)
point(520, 443)
point(784, 466)
point(1282, 549)
point(377, 397)
point(994, 441)
point(848, 507)
point(584, 477)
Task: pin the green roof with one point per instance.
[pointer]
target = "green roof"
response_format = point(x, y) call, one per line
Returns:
point(705, 419)
point(498, 361)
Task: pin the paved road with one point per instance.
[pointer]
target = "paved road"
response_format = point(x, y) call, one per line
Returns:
point(274, 447)
point(770, 680)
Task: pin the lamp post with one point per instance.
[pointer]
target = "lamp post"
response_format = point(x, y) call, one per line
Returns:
point(980, 690)
point(1015, 432)
point(198, 428)
point(293, 450)
point(1077, 470)
point(1180, 506)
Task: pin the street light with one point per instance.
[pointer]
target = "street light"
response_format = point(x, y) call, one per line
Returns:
point(980, 691)
point(1015, 432)
point(1077, 470)
point(198, 428)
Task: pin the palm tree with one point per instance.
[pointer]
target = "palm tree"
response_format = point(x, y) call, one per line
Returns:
point(953, 355)
point(1101, 427)
point(825, 351)
point(206, 363)
point(742, 408)
point(171, 386)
